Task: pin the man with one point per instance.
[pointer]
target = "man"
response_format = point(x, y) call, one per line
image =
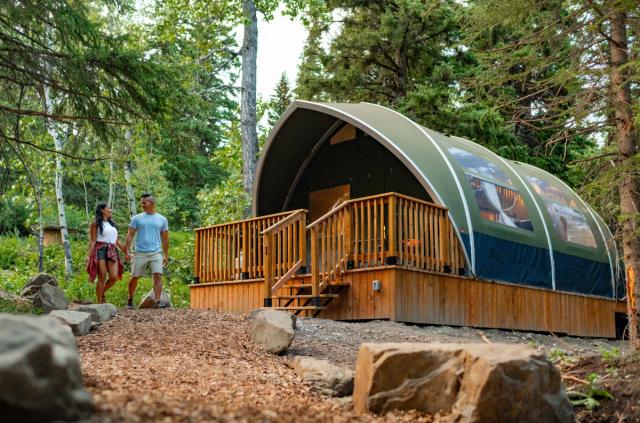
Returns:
point(152, 233)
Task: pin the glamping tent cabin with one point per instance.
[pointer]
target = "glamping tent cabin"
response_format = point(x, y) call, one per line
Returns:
point(360, 213)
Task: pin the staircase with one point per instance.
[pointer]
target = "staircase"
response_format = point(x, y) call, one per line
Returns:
point(297, 297)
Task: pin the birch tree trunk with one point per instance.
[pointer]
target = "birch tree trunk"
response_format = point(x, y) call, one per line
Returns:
point(131, 199)
point(59, 181)
point(248, 120)
point(627, 183)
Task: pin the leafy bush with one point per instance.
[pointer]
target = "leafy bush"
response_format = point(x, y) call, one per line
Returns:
point(19, 262)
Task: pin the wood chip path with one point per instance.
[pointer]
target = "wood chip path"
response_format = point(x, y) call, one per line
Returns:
point(182, 365)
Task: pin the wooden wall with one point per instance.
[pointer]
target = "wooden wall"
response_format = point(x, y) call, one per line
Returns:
point(431, 298)
point(236, 296)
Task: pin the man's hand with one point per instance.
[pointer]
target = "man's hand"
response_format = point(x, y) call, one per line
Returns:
point(165, 261)
point(127, 256)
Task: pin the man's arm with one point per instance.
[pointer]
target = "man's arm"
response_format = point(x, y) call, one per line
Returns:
point(165, 247)
point(130, 233)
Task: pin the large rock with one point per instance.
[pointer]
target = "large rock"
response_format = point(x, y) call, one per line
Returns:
point(32, 287)
point(465, 382)
point(149, 300)
point(78, 321)
point(99, 312)
point(40, 376)
point(272, 330)
point(50, 298)
point(324, 377)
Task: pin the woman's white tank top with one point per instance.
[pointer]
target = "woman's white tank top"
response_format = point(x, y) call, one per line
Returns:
point(109, 233)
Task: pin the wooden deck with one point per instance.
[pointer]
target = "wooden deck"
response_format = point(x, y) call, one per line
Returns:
point(426, 297)
point(405, 244)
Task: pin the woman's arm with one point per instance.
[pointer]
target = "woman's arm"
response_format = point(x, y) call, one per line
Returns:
point(93, 235)
point(120, 245)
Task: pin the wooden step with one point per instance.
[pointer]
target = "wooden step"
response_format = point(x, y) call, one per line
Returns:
point(296, 308)
point(298, 286)
point(303, 296)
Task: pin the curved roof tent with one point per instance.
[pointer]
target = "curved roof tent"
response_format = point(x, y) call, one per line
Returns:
point(518, 223)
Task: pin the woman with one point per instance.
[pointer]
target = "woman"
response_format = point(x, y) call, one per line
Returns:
point(103, 256)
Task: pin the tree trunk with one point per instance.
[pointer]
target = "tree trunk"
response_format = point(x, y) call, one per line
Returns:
point(131, 199)
point(58, 141)
point(112, 180)
point(86, 196)
point(627, 183)
point(248, 98)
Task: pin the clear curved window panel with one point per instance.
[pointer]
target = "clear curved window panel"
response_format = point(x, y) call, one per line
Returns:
point(570, 224)
point(500, 204)
point(550, 192)
point(479, 166)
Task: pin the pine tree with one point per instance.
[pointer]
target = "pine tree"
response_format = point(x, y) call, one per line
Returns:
point(280, 99)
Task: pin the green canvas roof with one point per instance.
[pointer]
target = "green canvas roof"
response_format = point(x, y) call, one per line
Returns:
point(459, 174)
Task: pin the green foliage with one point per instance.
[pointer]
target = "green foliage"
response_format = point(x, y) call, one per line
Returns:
point(609, 356)
point(280, 100)
point(560, 357)
point(18, 263)
point(8, 306)
point(592, 392)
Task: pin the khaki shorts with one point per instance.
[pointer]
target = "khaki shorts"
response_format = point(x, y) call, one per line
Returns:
point(143, 260)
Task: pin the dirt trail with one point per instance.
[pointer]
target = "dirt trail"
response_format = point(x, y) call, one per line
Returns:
point(190, 366)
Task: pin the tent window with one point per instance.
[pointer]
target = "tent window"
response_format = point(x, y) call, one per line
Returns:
point(500, 204)
point(479, 166)
point(569, 222)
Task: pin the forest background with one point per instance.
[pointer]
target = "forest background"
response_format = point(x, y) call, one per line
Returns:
point(101, 101)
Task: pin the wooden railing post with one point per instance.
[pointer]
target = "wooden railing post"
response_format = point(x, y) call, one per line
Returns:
point(392, 227)
point(267, 243)
point(244, 258)
point(348, 241)
point(315, 267)
point(196, 260)
point(302, 235)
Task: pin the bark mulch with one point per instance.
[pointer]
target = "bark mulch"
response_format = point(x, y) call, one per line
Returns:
point(180, 365)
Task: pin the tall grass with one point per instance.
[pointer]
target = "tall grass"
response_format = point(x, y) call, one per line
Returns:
point(19, 263)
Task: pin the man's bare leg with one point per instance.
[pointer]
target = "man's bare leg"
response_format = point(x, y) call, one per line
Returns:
point(157, 286)
point(133, 283)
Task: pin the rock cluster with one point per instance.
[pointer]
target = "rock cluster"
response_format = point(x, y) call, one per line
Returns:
point(273, 330)
point(40, 376)
point(464, 382)
point(43, 290)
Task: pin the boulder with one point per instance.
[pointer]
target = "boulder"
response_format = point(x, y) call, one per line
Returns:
point(49, 298)
point(463, 382)
point(40, 376)
point(272, 330)
point(255, 312)
point(149, 300)
point(78, 321)
point(324, 377)
point(99, 312)
point(32, 287)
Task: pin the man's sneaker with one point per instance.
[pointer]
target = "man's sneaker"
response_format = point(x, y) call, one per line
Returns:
point(129, 305)
point(160, 304)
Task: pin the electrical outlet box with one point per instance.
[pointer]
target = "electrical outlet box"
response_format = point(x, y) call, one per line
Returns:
point(377, 286)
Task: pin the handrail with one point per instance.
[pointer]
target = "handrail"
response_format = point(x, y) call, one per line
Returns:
point(284, 221)
point(382, 229)
point(372, 197)
point(251, 219)
point(284, 250)
point(232, 250)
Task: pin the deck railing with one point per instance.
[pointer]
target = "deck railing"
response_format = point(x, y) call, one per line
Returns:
point(382, 229)
point(232, 251)
point(360, 233)
point(284, 251)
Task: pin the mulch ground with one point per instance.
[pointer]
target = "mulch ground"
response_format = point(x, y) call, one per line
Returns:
point(619, 376)
point(189, 366)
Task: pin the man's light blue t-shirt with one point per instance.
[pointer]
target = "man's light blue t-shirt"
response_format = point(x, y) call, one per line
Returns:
point(148, 227)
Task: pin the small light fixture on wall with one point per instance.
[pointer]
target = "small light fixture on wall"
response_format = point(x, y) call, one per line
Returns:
point(377, 286)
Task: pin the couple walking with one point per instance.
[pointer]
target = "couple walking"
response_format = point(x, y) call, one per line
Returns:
point(151, 231)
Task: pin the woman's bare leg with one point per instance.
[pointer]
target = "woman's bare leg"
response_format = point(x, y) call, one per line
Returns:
point(102, 275)
point(112, 267)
